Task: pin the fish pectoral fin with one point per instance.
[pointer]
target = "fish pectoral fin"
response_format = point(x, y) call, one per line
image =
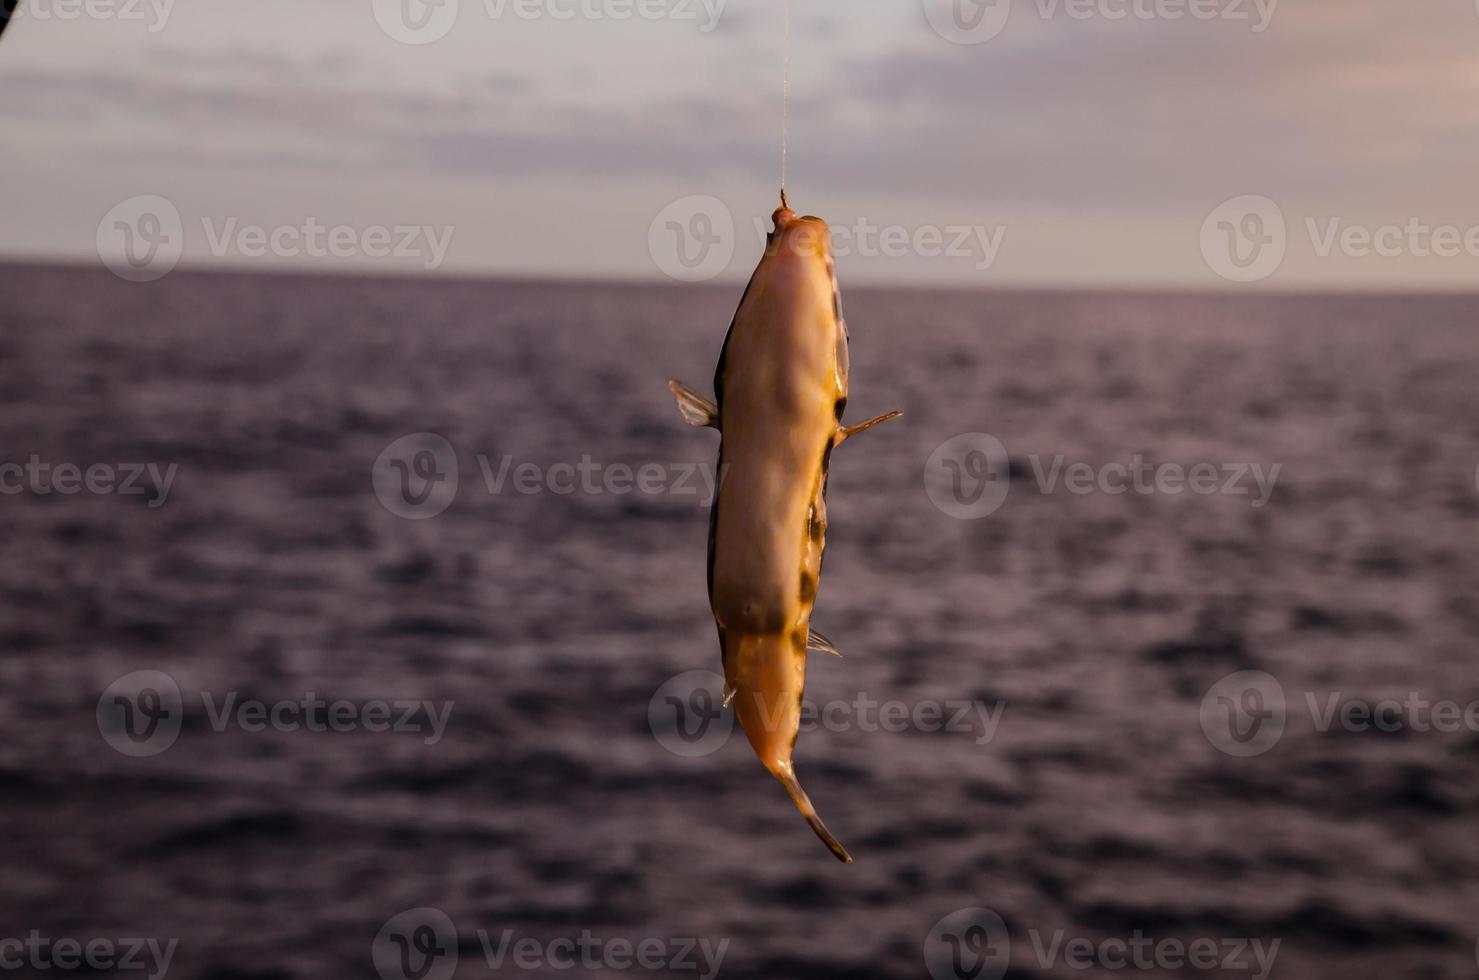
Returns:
point(817, 641)
point(729, 693)
point(697, 410)
point(852, 430)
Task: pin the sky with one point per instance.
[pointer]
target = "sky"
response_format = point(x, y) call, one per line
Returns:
point(1205, 144)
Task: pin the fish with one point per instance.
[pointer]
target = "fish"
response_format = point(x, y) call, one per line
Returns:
point(780, 390)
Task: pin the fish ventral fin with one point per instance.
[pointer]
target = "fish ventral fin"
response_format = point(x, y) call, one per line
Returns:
point(818, 641)
point(847, 432)
point(697, 410)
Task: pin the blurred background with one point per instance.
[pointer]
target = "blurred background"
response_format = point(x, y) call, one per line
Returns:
point(356, 589)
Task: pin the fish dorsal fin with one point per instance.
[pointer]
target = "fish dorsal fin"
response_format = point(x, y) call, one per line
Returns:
point(697, 410)
point(848, 431)
point(817, 641)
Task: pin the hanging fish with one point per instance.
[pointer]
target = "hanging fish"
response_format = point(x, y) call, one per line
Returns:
point(780, 387)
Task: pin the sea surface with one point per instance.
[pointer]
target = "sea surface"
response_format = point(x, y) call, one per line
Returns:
point(548, 613)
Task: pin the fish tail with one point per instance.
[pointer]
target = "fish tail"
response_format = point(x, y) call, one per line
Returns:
point(787, 776)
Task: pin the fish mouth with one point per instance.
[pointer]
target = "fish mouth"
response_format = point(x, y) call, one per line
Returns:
point(807, 236)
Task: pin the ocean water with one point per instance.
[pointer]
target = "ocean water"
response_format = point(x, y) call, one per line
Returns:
point(1086, 794)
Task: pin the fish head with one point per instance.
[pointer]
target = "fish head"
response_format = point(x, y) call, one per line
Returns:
point(802, 241)
point(798, 265)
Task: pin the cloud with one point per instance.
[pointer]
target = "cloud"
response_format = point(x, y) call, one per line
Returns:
point(1347, 107)
point(1325, 102)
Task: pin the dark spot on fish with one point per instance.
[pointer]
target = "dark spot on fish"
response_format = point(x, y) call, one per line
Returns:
point(808, 587)
point(724, 350)
point(838, 408)
point(714, 525)
point(719, 374)
point(813, 524)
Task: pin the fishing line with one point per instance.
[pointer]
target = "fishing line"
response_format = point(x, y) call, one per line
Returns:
point(786, 104)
